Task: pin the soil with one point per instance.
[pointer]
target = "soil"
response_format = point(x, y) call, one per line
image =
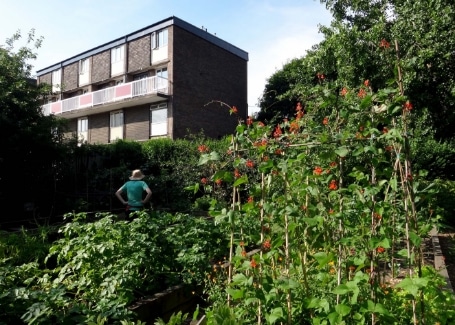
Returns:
point(447, 242)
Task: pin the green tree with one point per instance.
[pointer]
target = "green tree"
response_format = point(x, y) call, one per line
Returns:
point(30, 141)
point(369, 40)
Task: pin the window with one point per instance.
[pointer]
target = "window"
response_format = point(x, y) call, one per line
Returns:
point(84, 72)
point(159, 39)
point(161, 72)
point(158, 118)
point(116, 130)
point(56, 80)
point(116, 119)
point(82, 129)
point(117, 54)
point(83, 66)
point(117, 60)
point(161, 80)
point(140, 76)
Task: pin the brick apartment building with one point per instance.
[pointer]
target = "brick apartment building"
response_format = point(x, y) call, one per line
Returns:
point(157, 81)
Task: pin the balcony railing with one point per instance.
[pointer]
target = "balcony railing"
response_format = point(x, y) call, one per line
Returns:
point(146, 86)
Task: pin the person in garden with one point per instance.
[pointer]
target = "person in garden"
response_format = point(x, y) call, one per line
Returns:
point(134, 189)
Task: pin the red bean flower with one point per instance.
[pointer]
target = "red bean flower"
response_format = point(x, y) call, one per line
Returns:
point(249, 163)
point(384, 44)
point(317, 170)
point(253, 263)
point(234, 110)
point(277, 132)
point(333, 185)
point(362, 93)
point(407, 106)
point(202, 148)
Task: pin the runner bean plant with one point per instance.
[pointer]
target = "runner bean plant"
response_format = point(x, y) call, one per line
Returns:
point(328, 218)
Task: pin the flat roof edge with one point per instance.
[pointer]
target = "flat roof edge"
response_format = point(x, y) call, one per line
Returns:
point(145, 31)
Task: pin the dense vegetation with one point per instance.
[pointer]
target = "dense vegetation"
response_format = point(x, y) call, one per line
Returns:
point(92, 269)
point(321, 203)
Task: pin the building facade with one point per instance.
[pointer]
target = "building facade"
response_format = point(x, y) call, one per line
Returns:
point(165, 80)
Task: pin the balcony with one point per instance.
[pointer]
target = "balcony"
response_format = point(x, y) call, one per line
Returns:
point(147, 90)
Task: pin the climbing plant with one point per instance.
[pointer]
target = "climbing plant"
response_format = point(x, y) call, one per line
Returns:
point(328, 218)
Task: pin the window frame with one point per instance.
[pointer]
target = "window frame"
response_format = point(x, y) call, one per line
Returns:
point(84, 66)
point(160, 38)
point(118, 53)
point(113, 119)
point(159, 107)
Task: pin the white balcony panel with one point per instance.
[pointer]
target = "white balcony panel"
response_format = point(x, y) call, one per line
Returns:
point(47, 109)
point(158, 125)
point(161, 85)
point(159, 129)
point(103, 96)
point(135, 89)
point(142, 87)
point(159, 54)
point(117, 68)
point(116, 133)
point(82, 137)
point(84, 78)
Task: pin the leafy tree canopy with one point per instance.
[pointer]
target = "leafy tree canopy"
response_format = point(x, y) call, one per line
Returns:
point(30, 141)
point(369, 40)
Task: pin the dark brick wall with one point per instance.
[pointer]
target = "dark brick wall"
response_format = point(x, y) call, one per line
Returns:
point(72, 129)
point(139, 54)
point(137, 122)
point(70, 76)
point(137, 125)
point(101, 67)
point(99, 128)
point(45, 79)
point(201, 73)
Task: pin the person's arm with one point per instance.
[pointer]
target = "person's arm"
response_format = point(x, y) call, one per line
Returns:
point(149, 195)
point(118, 194)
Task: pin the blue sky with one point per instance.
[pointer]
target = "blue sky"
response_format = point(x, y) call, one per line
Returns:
point(271, 31)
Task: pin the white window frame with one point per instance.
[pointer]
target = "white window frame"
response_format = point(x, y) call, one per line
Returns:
point(56, 80)
point(158, 128)
point(84, 72)
point(117, 54)
point(83, 66)
point(161, 73)
point(116, 119)
point(116, 125)
point(82, 129)
point(160, 38)
point(117, 60)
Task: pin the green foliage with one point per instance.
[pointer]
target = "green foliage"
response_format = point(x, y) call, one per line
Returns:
point(30, 151)
point(445, 203)
point(222, 315)
point(97, 268)
point(174, 166)
point(359, 45)
point(176, 319)
point(320, 238)
point(25, 246)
